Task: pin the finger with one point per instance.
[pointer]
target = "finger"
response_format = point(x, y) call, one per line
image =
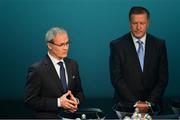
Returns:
point(72, 110)
point(73, 98)
point(71, 95)
point(71, 106)
point(71, 102)
point(68, 92)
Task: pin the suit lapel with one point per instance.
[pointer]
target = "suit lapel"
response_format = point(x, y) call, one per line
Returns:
point(133, 54)
point(51, 72)
point(69, 72)
point(148, 52)
point(135, 63)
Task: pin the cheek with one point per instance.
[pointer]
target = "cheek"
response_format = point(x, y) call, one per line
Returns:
point(145, 27)
point(57, 51)
point(133, 27)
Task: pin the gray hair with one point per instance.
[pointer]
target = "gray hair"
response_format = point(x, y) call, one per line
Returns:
point(51, 34)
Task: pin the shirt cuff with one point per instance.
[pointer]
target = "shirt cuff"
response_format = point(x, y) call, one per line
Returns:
point(58, 102)
point(77, 100)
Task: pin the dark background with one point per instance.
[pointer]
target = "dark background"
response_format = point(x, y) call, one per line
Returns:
point(91, 25)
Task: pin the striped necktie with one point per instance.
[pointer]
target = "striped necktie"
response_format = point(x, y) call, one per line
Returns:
point(63, 76)
point(140, 52)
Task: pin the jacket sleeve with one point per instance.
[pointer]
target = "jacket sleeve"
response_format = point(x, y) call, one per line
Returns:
point(78, 91)
point(157, 93)
point(33, 97)
point(116, 74)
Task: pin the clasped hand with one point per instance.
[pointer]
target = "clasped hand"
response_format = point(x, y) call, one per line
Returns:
point(69, 103)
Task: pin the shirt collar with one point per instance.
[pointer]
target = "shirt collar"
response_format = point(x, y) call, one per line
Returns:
point(54, 60)
point(143, 39)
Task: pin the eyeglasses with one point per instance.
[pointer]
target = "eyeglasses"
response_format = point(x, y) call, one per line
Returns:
point(60, 45)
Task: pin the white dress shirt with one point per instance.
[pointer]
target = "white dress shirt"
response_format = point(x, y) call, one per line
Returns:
point(143, 39)
point(57, 67)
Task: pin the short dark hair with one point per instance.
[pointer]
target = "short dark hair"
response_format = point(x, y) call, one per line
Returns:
point(138, 10)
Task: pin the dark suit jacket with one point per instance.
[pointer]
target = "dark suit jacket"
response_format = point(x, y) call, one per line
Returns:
point(43, 86)
point(128, 80)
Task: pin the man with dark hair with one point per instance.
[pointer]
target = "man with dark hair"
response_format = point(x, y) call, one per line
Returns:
point(139, 10)
point(53, 84)
point(138, 62)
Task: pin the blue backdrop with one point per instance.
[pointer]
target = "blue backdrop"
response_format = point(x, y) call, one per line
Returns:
point(91, 25)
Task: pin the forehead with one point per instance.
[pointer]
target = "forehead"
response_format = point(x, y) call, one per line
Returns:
point(60, 38)
point(139, 17)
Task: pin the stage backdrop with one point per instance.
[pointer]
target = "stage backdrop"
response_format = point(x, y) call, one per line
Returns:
point(91, 25)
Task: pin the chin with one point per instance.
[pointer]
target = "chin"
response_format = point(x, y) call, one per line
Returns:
point(138, 36)
point(64, 56)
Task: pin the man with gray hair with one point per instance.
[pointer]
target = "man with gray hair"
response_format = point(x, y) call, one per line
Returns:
point(53, 83)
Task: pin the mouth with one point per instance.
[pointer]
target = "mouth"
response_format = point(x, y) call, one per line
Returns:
point(138, 32)
point(65, 53)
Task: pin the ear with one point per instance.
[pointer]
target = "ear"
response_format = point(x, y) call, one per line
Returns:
point(148, 24)
point(49, 46)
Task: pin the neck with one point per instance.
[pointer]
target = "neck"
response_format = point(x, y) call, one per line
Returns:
point(54, 56)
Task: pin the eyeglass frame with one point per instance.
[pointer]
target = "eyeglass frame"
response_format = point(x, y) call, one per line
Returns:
point(60, 45)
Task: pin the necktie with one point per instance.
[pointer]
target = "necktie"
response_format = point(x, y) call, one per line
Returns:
point(140, 52)
point(63, 77)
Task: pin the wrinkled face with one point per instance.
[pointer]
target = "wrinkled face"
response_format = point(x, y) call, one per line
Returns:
point(139, 24)
point(58, 48)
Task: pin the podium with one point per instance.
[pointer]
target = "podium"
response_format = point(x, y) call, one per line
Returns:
point(83, 114)
point(123, 110)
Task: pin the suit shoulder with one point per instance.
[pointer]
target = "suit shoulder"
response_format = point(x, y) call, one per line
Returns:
point(70, 61)
point(39, 64)
point(121, 40)
point(156, 42)
point(156, 39)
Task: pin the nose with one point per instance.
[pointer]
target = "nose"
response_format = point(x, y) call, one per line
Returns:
point(65, 47)
point(138, 26)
